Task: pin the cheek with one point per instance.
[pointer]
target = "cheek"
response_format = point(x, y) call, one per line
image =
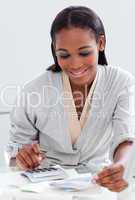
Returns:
point(91, 59)
point(62, 63)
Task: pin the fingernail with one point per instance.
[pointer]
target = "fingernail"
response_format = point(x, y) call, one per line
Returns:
point(95, 177)
point(40, 157)
point(93, 181)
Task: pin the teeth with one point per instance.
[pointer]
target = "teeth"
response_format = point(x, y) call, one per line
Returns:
point(78, 74)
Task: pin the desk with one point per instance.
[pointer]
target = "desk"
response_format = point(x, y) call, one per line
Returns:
point(10, 193)
point(7, 177)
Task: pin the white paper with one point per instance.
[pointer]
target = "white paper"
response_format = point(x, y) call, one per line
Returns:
point(73, 184)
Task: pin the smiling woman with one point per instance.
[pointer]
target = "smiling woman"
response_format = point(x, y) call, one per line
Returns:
point(79, 17)
point(85, 116)
point(77, 54)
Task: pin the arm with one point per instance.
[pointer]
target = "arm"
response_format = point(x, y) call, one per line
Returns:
point(112, 176)
point(123, 152)
point(22, 129)
point(123, 121)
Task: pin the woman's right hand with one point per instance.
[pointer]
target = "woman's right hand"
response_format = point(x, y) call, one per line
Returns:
point(29, 157)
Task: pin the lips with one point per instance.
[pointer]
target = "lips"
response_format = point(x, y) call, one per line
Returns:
point(78, 73)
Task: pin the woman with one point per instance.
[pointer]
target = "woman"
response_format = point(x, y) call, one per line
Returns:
point(79, 113)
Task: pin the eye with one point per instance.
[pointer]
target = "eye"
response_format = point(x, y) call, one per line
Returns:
point(85, 53)
point(63, 56)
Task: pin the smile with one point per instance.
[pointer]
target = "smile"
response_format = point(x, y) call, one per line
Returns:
point(78, 73)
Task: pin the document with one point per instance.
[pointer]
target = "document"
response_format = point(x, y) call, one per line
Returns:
point(73, 184)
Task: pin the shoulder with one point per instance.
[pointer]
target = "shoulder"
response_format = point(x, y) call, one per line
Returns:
point(48, 78)
point(117, 76)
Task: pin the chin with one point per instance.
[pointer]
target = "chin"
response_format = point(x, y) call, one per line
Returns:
point(83, 79)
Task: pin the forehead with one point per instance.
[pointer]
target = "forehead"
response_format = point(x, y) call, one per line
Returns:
point(75, 37)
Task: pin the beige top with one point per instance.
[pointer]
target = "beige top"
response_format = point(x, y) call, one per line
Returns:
point(75, 125)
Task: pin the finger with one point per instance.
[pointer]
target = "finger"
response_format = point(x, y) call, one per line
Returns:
point(115, 186)
point(21, 166)
point(34, 158)
point(43, 155)
point(111, 178)
point(111, 170)
point(118, 186)
point(119, 189)
point(21, 163)
point(26, 157)
point(40, 155)
point(36, 148)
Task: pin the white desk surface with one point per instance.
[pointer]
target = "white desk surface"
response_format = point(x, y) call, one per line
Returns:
point(8, 177)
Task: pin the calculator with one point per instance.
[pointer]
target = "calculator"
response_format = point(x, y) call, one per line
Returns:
point(45, 174)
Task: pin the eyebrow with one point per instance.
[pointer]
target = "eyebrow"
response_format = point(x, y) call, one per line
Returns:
point(83, 47)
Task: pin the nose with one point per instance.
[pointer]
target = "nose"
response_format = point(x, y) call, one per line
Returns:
point(75, 62)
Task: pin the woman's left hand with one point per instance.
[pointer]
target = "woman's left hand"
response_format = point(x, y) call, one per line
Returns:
point(111, 177)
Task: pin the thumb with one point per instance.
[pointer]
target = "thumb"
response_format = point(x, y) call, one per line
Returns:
point(36, 148)
point(41, 156)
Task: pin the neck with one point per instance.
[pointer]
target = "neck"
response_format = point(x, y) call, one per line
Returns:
point(84, 89)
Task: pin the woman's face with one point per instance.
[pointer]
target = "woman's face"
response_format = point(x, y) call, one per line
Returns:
point(77, 54)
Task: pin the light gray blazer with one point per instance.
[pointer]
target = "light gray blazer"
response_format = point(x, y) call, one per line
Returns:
point(39, 115)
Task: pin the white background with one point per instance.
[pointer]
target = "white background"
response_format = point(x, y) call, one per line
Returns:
point(25, 38)
point(25, 41)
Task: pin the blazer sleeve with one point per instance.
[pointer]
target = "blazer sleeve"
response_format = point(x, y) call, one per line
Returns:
point(22, 126)
point(123, 120)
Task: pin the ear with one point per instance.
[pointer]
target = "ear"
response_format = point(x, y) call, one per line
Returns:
point(101, 43)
